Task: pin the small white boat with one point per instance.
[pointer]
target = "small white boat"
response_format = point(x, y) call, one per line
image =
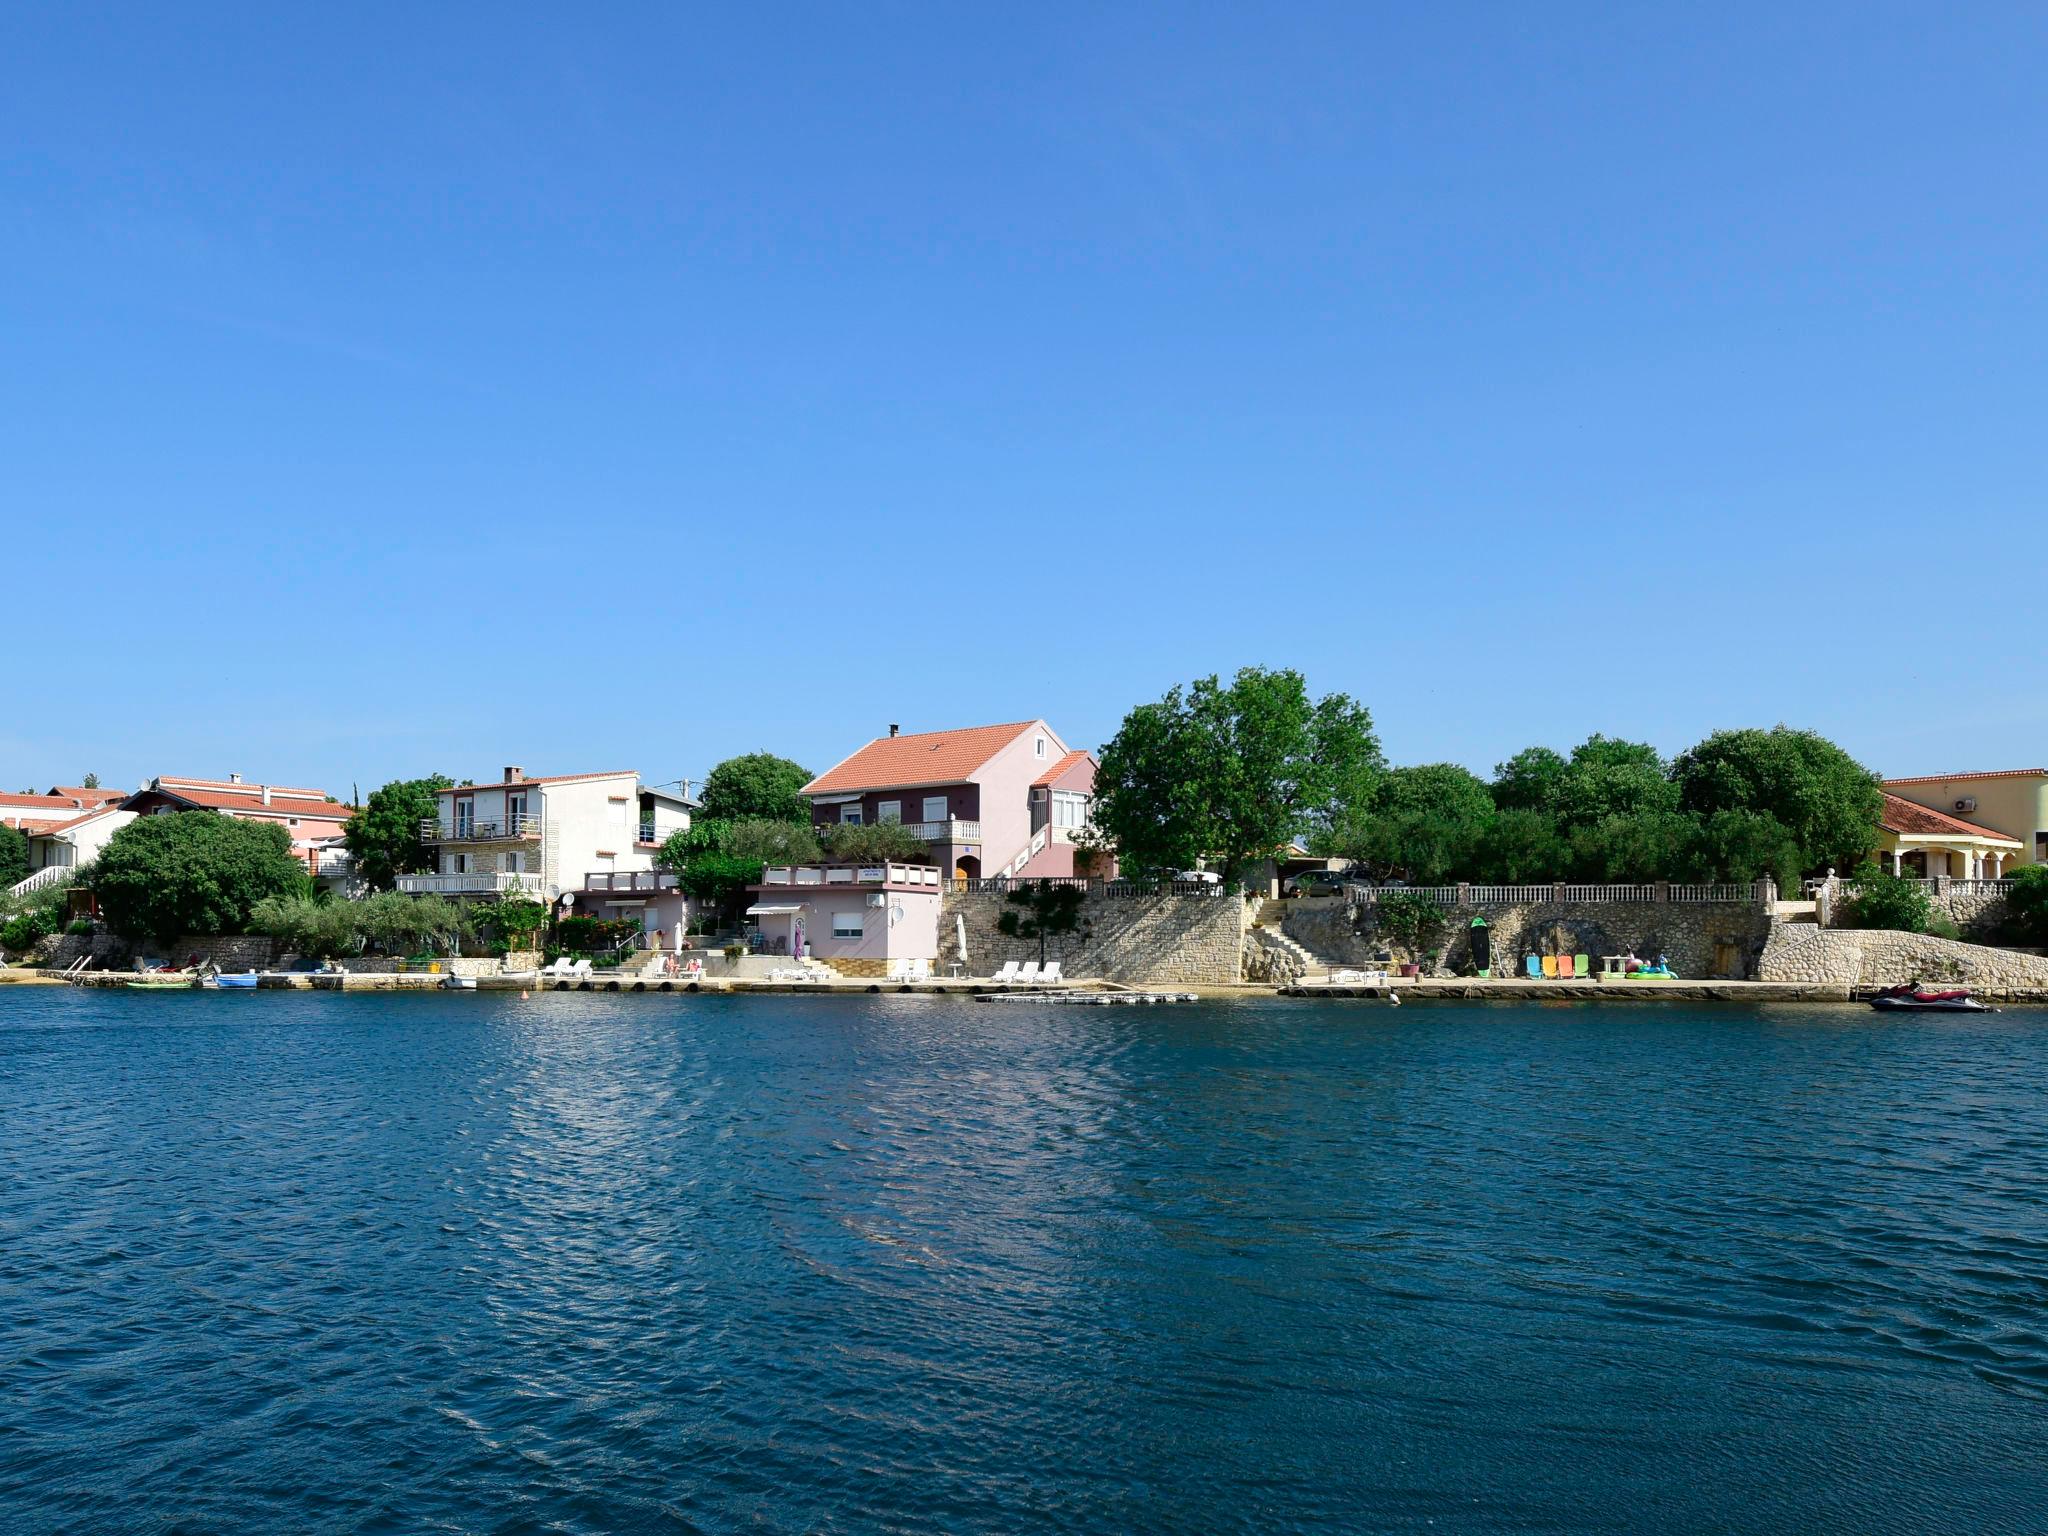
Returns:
point(459, 983)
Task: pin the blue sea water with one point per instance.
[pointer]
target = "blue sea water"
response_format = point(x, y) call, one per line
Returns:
point(463, 1263)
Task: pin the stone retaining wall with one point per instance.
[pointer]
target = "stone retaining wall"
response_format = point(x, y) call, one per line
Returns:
point(109, 951)
point(1875, 957)
point(1696, 938)
point(1157, 939)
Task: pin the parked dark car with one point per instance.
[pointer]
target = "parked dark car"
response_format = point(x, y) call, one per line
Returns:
point(1326, 882)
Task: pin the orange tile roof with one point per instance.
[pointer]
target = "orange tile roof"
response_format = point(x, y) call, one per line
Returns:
point(1904, 817)
point(86, 796)
point(553, 778)
point(246, 786)
point(77, 821)
point(40, 802)
point(252, 805)
point(1058, 770)
point(924, 757)
point(1998, 773)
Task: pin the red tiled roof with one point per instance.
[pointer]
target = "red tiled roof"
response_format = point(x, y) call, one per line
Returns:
point(925, 757)
point(173, 780)
point(1999, 773)
point(1059, 769)
point(553, 778)
point(40, 802)
point(77, 821)
point(28, 826)
point(1904, 817)
point(252, 805)
point(86, 796)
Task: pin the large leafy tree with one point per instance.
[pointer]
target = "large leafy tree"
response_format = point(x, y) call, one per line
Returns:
point(192, 872)
point(1529, 780)
point(384, 836)
point(1823, 797)
point(1607, 777)
point(1233, 772)
point(1424, 823)
point(13, 856)
point(756, 786)
point(715, 861)
point(1042, 910)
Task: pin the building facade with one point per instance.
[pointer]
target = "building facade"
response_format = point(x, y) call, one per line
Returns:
point(863, 920)
point(2010, 803)
point(583, 841)
point(988, 800)
point(310, 817)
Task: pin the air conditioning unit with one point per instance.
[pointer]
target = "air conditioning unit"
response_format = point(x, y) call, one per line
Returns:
point(1966, 804)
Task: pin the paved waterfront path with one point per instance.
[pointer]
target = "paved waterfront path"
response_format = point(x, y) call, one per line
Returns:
point(585, 1263)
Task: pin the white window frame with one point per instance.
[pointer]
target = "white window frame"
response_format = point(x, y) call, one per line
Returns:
point(888, 812)
point(1038, 747)
point(1069, 809)
point(849, 925)
point(935, 815)
point(849, 814)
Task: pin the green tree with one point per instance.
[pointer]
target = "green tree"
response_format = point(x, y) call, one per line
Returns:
point(193, 872)
point(1744, 846)
point(1042, 911)
point(1647, 845)
point(1829, 802)
point(2026, 905)
point(715, 861)
point(1529, 780)
point(1425, 823)
point(874, 843)
point(756, 786)
point(90, 781)
point(384, 836)
point(512, 920)
point(1517, 846)
point(1233, 773)
point(13, 856)
point(1607, 777)
point(1410, 919)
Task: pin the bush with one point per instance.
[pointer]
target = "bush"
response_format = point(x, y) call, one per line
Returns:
point(589, 937)
point(22, 932)
point(1886, 901)
point(388, 921)
point(2026, 905)
point(79, 927)
point(193, 872)
point(876, 843)
point(1410, 919)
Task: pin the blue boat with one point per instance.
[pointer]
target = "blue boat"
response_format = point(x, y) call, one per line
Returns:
point(231, 979)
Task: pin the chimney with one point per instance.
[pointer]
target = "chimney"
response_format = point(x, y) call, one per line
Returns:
point(236, 778)
point(514, 773)
point(266, 794)
point(894, 727)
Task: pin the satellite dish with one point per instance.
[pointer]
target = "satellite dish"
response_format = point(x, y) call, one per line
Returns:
point(566, 898)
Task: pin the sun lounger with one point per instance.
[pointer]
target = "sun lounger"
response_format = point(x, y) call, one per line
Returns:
point(1051, 975)
point(1550, 967)
point(1027, 974)
point(1007, 974)
point(1582, 967)
point(1535, 967)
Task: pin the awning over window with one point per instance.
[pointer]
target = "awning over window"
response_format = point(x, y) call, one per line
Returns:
point(769, 909)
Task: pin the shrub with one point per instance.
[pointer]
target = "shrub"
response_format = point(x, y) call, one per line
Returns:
point(875, 843)
point(1410, 919)
point(1885, 900)
point(2026, 905)
point(193, 872)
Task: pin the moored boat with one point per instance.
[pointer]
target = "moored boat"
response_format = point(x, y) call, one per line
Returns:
point(1911, 997)
point(230, 979)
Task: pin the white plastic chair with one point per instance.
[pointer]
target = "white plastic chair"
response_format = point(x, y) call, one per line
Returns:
point(1051, 975)
point(1027, 974)
point(1006, 975)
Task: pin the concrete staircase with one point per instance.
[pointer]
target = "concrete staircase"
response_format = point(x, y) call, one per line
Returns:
point(1267, 917)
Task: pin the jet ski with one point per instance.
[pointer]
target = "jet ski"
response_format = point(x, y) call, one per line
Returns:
point(1913, 998)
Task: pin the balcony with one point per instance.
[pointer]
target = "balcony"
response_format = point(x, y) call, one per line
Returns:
point(898, 876)
point(945, 831)
point(514, 829)
point(643, 882)
point(490, 883)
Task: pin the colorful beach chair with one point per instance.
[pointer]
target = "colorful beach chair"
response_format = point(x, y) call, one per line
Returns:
point(1535, 968)
point(1582, 967)
point(1550, 967)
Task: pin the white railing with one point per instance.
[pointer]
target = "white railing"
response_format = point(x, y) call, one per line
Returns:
point(460, 829)
point(48, 875)
point(1723, 891)
point(491, 883)
point(1527, 894)
point(1979, 887)
point(852, 874)
point(1508, 895)
point(635, 880)
point(944, 831)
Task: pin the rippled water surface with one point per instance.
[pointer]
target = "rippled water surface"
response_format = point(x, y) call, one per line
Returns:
point(465, 1263)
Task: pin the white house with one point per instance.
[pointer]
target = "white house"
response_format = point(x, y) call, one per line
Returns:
point(584, 840)
point(57, 848)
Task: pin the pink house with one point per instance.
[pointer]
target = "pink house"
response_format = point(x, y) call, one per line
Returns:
point(989, 800)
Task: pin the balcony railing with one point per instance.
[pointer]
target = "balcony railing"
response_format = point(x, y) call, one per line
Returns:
point(945, 831)
point(852, 874)
point(498, 882)
point(513, 829)
point(640, 880)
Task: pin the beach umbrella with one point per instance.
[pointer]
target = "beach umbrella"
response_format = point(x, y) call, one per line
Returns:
point(796, 943)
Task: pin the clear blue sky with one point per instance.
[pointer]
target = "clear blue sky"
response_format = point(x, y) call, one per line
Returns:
point(438, 386)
